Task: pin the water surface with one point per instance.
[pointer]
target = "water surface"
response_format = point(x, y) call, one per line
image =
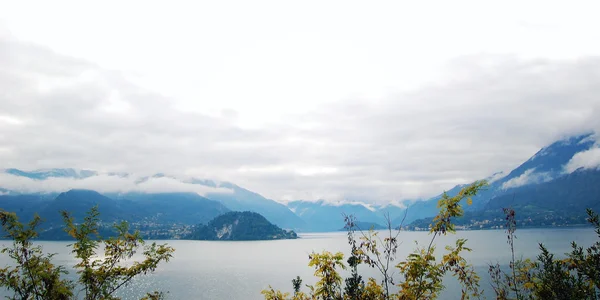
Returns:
point(240, 270)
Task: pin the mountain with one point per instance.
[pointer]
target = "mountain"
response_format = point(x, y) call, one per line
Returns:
point(560, 202)
point(238, 199)
point(546, 166)
point(78, 203)
point(24, 205)
point(394, 211)
point(153, 212)
point(161, 208)
point(183, 208)
point(569, 194)
point(240, 226)
point(542, 191)
point(324, 216)
point(47, 173)
point(423, 209)
point(549, 162)
point(244, 200)
point(158, 216)
point(547, 173)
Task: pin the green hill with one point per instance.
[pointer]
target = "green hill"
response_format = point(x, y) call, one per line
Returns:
point(240, 226)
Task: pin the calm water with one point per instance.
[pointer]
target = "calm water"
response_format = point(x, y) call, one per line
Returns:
point(240, 270)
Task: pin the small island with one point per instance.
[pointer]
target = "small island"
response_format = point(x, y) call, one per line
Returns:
point(240, 226)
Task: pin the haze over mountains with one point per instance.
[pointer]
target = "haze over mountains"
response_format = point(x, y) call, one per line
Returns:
point(561, 179)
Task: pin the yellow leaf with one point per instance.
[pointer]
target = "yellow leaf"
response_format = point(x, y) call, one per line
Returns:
point(469, 201)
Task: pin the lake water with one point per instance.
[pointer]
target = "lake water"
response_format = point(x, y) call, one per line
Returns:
point(240, 270)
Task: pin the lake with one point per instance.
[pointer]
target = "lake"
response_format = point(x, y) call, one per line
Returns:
point(240, 270)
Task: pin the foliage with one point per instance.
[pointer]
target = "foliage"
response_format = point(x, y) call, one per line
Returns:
point(297, 283)
point(586, 262)
point(354, 285)
point(555, 281)
point(325, 264)
point(34, 276)
point(272, 294)
point(574, 277)
point(577, 276)
point(516, 284)
point(372, 291)
point(368, 251)
point(421, 273)
point(102, 277)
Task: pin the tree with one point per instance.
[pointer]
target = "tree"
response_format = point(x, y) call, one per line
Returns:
point(297, 284)
point(518, 282)
point(354, 285)
point(422, 275)
point(34, 276)
point(575, 277)
point(372, 250)
point(325, 264)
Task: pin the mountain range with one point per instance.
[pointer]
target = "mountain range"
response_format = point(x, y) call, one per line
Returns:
point(561, 179)
point(556, 184)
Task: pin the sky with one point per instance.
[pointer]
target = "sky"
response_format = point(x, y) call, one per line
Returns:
point(332, 100)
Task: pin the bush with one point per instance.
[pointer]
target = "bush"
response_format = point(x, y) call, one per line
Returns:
point(577, 276)
point(422, 273)
point(34, 276)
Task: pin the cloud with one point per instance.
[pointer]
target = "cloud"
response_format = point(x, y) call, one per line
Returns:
point(105, 184)
point(63, 112)
point(528, 177)
point(353, 203)
point(495, 177)
point(402, 205)
point(588, 159)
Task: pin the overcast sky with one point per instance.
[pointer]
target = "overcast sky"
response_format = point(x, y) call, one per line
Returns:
point(302, 100)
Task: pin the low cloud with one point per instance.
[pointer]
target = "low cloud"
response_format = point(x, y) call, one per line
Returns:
point(528, 177)
point(105, 184)
point(397, 204)
point(343, 202)
point(495, 177)
point(61, 112)
point(589, 159)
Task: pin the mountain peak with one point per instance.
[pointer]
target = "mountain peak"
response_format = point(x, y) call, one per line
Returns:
point(42, 174)
point(584, 142)
point(549, 162)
